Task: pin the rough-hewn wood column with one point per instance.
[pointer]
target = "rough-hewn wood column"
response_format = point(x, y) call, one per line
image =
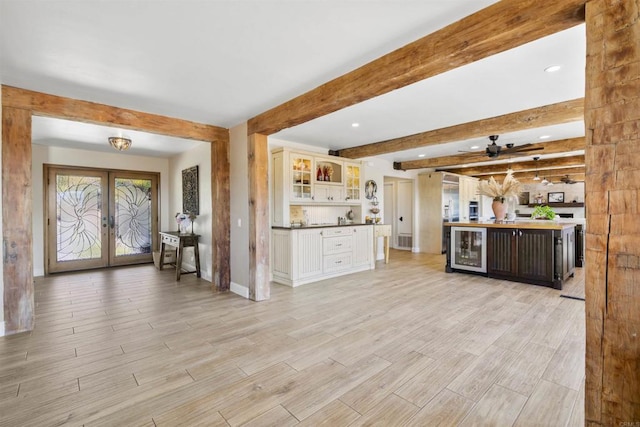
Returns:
point(16, 220)
point(612, 120)
point(259, 230)
point(220, 202)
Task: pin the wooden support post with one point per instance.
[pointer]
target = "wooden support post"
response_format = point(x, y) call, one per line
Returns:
point(612, 117)
point(259, 231)
point(220, 202)
point(16, 220)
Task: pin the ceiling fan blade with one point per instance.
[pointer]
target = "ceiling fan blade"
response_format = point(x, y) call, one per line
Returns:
point(522, 149)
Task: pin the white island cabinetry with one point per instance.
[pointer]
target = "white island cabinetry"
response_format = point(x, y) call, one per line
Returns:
point(305, 255)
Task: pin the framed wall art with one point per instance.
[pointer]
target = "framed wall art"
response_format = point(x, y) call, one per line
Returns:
point(555, 197)
point(190, 195)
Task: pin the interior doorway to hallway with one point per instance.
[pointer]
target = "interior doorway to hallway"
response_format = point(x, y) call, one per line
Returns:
point(398, 211)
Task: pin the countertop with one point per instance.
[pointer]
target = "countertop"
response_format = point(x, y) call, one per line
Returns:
point(532, 224)
point(301, 227)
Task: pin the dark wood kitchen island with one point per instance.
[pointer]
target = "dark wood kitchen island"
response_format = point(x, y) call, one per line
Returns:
point(536, 252)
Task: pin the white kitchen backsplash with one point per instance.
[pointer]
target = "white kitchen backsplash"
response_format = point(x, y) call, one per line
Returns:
point(323, 214)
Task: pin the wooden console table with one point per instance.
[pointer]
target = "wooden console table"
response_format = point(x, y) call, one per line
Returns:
point(180, 241)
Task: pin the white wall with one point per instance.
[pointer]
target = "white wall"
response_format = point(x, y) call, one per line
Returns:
point(199, 156)
point(73, 157)
point(239, 215)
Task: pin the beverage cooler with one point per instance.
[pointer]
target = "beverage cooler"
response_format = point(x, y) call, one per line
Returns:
point(469, 249)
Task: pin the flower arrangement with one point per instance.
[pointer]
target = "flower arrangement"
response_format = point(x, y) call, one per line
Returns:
point(510, 187)
point(184, 220)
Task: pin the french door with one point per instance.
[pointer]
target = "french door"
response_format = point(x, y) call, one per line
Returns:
point(99, 218)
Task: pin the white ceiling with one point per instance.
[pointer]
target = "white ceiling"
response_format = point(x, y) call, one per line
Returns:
point(222, 62)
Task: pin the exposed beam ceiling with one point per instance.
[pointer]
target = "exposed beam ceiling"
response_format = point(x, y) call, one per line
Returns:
point(562, 112)
point(552, 147)
point(542, 174)
point(497, 28)
point(529, 165)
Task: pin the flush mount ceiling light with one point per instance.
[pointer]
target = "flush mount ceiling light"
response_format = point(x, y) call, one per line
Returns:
point(552, 68)
point(421, 155)
point(355, 125)
point(120, 143)
point(544, 137)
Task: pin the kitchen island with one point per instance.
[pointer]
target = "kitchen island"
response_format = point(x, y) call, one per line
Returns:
point(536, 252)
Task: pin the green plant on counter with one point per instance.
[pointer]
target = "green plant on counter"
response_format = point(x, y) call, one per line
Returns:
point(544, 212)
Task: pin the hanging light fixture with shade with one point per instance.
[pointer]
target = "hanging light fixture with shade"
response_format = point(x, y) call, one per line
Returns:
point(535, 159)
point(544, 181)
point(120, 143)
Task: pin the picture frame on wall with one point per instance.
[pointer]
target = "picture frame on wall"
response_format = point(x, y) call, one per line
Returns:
point(190, 193)
point(523, 198)
point(557, 197)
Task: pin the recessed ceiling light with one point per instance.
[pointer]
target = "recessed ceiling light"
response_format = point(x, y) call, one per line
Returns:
point(552, 68)
point(475, 147)
point(544, 137)
point(421, 155)
point(355, 125)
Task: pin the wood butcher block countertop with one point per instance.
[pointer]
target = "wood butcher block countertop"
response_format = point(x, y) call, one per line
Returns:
point(533, 224)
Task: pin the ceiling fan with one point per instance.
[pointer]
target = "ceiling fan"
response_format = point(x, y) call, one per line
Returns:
point(494, 150)
point(566, 180)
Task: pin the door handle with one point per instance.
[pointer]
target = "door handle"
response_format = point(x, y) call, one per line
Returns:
point(401, 218)
point(112, 221)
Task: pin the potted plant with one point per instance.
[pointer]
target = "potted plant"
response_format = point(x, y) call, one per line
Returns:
point(543, 212)
point(509, 188)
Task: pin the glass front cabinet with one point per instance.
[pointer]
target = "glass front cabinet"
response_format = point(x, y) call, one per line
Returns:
point(353, 181)
point(301, 174)
point(469, 249)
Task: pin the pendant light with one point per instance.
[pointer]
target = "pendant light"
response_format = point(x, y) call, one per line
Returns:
point(535, 159)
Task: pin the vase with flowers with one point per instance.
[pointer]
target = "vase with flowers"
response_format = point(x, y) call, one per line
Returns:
point(500, 192)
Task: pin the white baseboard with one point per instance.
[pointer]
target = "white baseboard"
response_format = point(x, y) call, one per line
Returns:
point(243, 291)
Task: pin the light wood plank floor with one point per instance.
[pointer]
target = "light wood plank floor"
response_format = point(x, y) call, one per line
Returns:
point(406, 344)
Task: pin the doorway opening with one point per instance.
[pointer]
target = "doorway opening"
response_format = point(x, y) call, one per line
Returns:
point(98, 218)
point(398, 211)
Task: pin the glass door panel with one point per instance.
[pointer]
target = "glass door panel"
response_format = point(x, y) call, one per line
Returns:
point(469, 248)
point(77, 219)
point(133, 213)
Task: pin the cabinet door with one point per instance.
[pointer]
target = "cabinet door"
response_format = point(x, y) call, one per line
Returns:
point(362, 245)
point(300, 177)
point(328, 193)
point(354, 191)
point(501, 251)
point(535, 254)
point(309, 253)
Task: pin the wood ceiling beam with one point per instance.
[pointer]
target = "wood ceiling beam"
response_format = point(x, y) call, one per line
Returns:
point(524, 165)
point(548, 115)
point(551, 147)
point(578, 170)
point(555, 179)
point(499, 27)
point(42, 104)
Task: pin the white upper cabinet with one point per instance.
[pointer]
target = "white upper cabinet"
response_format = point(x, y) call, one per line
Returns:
point(300, 178)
